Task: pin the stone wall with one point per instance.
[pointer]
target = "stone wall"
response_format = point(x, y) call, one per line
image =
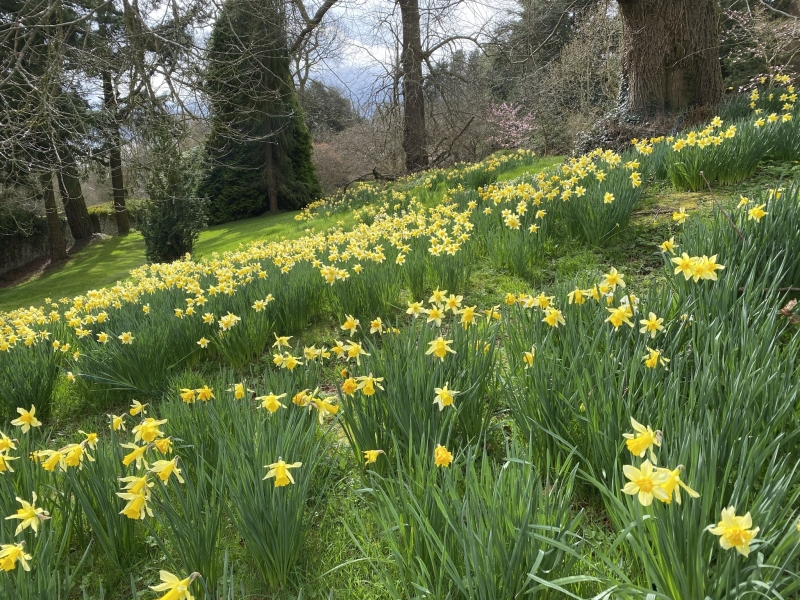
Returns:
point(17, 251)
point(107, 224)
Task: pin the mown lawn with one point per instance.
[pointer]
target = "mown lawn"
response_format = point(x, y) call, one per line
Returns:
point(108, 261)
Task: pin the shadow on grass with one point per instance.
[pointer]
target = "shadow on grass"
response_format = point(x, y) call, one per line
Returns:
point(102, 264)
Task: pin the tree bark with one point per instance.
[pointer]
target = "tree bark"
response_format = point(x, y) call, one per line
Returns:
point(69, 186)
point(671, 56)
point(58, 245)
point(413, 97)
point(115, 157)
point(272, 192)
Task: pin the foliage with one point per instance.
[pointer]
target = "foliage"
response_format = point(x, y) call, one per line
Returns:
point(259, 144)
point(485, 434)
point(475, 529)
point(173, 215)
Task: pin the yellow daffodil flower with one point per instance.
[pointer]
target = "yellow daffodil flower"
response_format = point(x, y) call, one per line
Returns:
point(280, 471)
point(645, 483)
point(442, 457)
point(735, 532)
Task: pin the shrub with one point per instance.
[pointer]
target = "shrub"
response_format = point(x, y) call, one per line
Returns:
point(173, 215)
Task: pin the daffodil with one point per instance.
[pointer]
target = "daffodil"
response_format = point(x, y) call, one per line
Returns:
point(444, 396)
point(669, 245)
point(239, 390)
point(281, 341)
point(302, 398)
point(349, 386)
point(188, 396)
point(680, 216)
point(735, 532)
point(52, 460)
point(414, 309)
point(435, 314)
point(164, 468)
point(205, 393)
point(528, 357)
point(370, 456)
point(350, 324)
point(553, 317)
point(10, 554)
point(685, 264)
point(442, 457)
point(323, 407)
point(148, 430)
point(280, 471)
point(4, 462)
point(674, 484)
point(467, 316)
point(438, 296)
point(6, 443)
point(367, 384)
point(136, 484)
point(137, 507)
point(651, 325)
point(29, 515)
point(757, 213)
point(645, 483)
point(177, 589)
point(578, 296)
point(26, 419)
point(137, 408)
point(74, 455)
point(271, 402)
point(439, 348)
point(163, 445)
point(619, 315)
point(642, 439)
point(653, 358)
point(136, 455)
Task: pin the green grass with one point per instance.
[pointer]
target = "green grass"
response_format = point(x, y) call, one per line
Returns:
point(108, 261)
point(331, 562)
point(541, 164)
point(105, 262)
point(101, 264)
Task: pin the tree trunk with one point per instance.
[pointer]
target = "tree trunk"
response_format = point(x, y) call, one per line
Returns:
point(58, 245)
point(74, 205)
point(671, 56)
point(413, 97)
point(272, 192)
point(115, 157)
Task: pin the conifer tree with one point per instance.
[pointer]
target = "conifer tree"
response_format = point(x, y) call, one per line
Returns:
point(258, 154)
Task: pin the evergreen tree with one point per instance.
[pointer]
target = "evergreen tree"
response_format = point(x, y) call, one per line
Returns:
point(258, 154)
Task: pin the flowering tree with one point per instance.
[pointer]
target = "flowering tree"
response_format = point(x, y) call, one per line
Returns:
point(760, 44)
point(512, 129)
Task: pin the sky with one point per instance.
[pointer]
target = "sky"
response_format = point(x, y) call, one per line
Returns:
point(369, 42)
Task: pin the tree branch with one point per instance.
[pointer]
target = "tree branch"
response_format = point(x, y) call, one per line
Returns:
point(311, 24)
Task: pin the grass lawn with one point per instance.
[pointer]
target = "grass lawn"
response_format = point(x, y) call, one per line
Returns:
point(105, 262)
point(334, 531)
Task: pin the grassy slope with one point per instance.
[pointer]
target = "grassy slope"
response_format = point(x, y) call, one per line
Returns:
point(105, 262)
point(633, 251)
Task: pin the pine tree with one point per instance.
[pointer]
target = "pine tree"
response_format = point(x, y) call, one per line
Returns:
point(258, 154)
